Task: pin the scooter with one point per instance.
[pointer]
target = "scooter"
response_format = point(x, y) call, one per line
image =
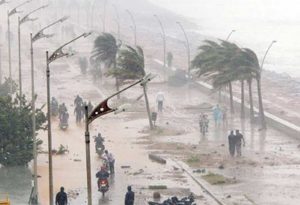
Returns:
point(103, 186)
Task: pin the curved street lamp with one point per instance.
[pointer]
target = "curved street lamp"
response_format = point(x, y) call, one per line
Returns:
point(34, 38)
point(134, 25)
point(9, 14)
point(229, 35)
point(100, 110)
point(58, 53)
point(187, 47)
point(266, 53)
point(21, 21)
point(261, 108)
point(163, 35)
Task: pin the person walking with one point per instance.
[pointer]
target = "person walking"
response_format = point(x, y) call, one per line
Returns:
point(160, 98)
point(231, 142)
point(111, 161)
point(238, 142)
point(129, 197)
point(61, 197)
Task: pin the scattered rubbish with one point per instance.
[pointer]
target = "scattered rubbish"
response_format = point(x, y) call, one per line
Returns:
point(221, 166)
point(77, 160)
point(174, 200)
point(216, 179)
point(157, 159)
point(199, 171)
point(156, 195)
point(157, 187)
point(61, 150)
point(175, 168)
point(138, 172)
point(125, 167)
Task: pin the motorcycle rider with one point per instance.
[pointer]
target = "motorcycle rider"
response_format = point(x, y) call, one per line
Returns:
point(64, 118)
point(99, 142)
point(54, 105)
point(62, 109)
point(90, 107)
point(78, 113)
point(102, 175)
point(78, 101)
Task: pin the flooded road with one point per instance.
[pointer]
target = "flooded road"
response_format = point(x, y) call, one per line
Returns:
point(16, 182)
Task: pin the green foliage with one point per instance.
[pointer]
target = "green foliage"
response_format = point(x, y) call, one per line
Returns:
point(105, 49)
point(16, 142)
point(225, 62)
point(83, 64)
point(130, 63)
point(5, 87)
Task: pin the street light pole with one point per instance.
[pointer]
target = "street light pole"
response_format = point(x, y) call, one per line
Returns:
point(117, 20)
point(258, 79)
point(49, 132)
point(9, 14)
point(33, 39)
point(187, 47)
point(266, 53)
point(20, 22)
point(229, 35)
point(58, 53)
point(0, 66)
point(164, 41)
point(134, 25)
point(100, 110)
point(9, 52)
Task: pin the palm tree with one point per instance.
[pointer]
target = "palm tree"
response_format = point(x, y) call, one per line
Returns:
point(106, 50)
point(131, 65)
point(224, 63)
point(214, 61)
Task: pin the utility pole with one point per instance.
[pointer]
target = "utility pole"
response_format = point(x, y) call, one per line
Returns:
point(163, 35)
point(134, 25)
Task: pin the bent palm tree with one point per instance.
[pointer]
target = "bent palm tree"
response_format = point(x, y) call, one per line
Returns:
point(106, 51)
point(131, 64)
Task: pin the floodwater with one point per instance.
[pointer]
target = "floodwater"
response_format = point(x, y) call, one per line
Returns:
point(16, 182)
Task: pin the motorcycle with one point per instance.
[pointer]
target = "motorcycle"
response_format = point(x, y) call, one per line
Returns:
point(103, 186)
point(100, 149)
point(63, 122)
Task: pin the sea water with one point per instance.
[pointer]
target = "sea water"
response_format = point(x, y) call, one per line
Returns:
point(257, 24)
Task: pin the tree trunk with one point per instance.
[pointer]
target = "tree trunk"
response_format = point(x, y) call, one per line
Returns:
point(117, 81)
point(231, 98)
point(148, 108)
point(242, 100)
point(260, 102)
point(250, 99)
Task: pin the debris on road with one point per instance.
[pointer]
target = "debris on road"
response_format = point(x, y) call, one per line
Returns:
point(157, 159)
point(157, 187)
